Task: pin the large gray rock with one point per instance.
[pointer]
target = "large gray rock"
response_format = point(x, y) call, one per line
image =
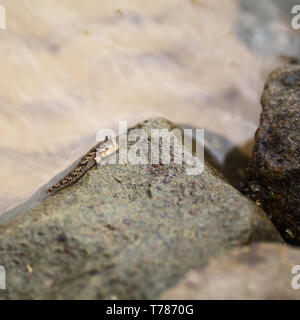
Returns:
point(126, 231)
point(261, 271)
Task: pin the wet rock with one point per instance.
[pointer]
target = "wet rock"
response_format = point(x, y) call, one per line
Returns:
point(273, 175)
point(261, 271)
point(126, 231)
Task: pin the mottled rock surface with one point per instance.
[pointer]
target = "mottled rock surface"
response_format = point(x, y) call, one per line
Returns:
point(126, 231)
point(261, 271)
point(273, 175)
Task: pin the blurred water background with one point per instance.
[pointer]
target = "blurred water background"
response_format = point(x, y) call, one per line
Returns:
point(70, 67)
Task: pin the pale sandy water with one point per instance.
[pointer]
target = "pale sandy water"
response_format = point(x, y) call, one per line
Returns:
point(71, 67)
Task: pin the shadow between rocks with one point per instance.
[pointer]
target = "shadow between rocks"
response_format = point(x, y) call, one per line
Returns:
point(229, 159)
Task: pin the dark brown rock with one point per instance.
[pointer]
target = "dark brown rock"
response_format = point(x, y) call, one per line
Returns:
point(273, 175)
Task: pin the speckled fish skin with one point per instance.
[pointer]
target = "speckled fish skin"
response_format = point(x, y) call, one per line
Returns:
point(87, 162)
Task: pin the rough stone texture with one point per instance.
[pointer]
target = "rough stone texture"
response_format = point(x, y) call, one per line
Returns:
point(260, 271)
point(125, 231)
point(273, 175)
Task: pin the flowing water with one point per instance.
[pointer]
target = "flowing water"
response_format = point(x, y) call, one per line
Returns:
point(71, 67)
